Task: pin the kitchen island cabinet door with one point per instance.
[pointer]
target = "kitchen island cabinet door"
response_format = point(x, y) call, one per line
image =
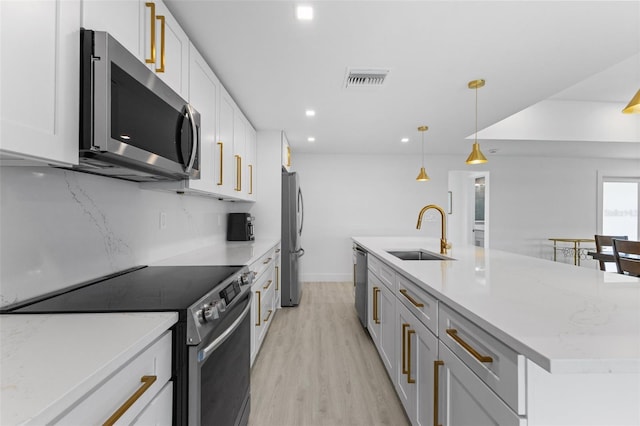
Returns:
point(417, 350)
point(387, 310)
point(40, 71)
point(465, 400)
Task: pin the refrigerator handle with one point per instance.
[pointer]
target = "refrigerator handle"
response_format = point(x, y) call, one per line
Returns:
point(301, 210)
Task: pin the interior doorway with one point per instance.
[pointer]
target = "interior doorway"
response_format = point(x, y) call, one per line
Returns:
point(618, 204)
point(469, 208)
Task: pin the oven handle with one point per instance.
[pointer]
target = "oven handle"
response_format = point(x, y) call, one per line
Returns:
point(204, 353)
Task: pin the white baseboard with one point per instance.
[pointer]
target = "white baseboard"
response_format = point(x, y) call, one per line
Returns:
point(327, 277)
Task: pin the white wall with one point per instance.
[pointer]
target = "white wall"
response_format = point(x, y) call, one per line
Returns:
point(59, 228)
point(532, 199)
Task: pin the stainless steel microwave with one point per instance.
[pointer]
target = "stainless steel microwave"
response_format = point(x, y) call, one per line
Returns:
point(133, 126)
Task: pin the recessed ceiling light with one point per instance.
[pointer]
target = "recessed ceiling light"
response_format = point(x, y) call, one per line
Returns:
point(311, 139)
point(404, 140)
point(310, 113)
point(304, 13)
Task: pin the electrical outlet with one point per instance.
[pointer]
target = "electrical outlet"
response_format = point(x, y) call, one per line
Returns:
point(163, 220)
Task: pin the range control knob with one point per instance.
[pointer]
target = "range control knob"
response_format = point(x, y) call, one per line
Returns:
point(208, 313)
point(221, 305)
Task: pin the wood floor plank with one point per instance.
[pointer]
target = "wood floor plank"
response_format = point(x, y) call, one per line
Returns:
point(319, 367)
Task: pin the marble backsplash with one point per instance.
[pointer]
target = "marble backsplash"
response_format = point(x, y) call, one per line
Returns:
point(59, 228)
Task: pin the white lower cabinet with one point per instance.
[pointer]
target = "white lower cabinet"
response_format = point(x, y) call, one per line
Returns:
point(130, 391)
point(382, 320)
point(159, 411)
point(265, 288)
point(416, 353)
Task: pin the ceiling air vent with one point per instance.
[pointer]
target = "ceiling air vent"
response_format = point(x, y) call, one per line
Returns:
point(365, 77)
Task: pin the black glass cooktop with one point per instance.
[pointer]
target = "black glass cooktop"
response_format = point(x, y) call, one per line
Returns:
point(151, 288)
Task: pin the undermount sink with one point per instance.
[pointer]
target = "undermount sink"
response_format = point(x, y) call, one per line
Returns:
point(417, 255)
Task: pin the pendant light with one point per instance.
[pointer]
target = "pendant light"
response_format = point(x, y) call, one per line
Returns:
point(634, 105)
point(422, 176)
point(476, 156)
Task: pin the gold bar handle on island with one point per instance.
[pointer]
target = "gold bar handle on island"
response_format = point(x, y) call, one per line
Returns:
point(152, 21)
point(147, 381)
point(266, 261)
point(220, 144)
point(375, 305)
point(277, 278)
point(267, 285)
point(409, 379)
point(454, 335)
point(436, 382)
point(411, 299)
point(162, 44)
point(268, 316)
point(404, 345)
point(259, 309)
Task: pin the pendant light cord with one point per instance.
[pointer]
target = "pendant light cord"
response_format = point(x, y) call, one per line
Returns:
point(422, 148)
point(475, 139)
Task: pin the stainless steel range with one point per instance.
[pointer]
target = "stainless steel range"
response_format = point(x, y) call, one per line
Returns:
point(211, 341)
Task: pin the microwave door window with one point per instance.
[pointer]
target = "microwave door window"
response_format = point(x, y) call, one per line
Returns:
point(141, 119)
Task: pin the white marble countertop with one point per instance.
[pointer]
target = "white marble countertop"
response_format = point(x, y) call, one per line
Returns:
point(230, 253)
point(49, 361)
point(566, 319)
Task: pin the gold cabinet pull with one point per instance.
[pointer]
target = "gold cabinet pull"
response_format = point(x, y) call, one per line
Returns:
point(267, 285)
point(250, 179)
point(436, 381)
point(266, 261)
point(147, 381)
point(220, 144)
point(277, 278)
point(152, 21)
point(454, 335)
point(409, 379)
point(288, 156)
point(376, 315)
point(162, 49)
point(268, 315)
point(415, 303)
point(404, 345)
point(259, 308)
point(238, 173)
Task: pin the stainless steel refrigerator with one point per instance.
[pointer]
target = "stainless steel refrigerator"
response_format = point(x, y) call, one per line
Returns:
point(292, 224)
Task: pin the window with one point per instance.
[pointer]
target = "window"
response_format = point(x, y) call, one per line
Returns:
point(619, 212)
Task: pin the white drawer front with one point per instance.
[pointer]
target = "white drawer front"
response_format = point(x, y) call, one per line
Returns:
point(373, 264)
point(108, 397)
point(499, 366)
point(159, 412)
point(261, 265)
point(420, 303)
point(386, 274)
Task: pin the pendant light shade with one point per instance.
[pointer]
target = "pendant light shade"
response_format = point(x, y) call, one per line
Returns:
point(476, 156)
point(422, 176)
point(634, 105)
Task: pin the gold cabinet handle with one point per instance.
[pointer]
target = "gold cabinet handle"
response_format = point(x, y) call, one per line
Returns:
point(436, 380)
point(162, 50)
point(454, 335)
point(267, 285)
point(250, 179)
point(259, 308)
point(288, 156)
point(404, 345)
point(152, 21)
point(278, 250)
point(277, 278)
point(409, 379)
point(415, 303)
point(238, 173)
point(220, 144)
point(375, 306)
point(266, 261)
point(268, 316)
point(147, 381)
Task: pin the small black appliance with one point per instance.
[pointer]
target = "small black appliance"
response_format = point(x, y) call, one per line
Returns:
point(240, 227)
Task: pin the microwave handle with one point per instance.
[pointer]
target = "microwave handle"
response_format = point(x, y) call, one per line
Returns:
point(196, 138)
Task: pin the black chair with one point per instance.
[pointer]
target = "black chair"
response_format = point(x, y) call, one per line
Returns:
point(627, 256)
point(605, 245)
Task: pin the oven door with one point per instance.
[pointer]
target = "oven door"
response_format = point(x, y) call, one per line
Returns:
point(219, 371)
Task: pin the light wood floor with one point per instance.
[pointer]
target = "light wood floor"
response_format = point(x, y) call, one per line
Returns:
point(318, 366)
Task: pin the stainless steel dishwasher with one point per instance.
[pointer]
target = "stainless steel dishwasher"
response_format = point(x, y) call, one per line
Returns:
point(360, 282)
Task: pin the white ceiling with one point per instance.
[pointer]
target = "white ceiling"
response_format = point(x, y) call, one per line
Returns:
point(275, 67)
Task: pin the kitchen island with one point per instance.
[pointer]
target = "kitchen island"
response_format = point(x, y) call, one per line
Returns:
point(570, 333)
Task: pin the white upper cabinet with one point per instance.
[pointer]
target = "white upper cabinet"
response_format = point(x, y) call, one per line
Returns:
point(39, 68)
point(227, 170)
point(120, 18)
point(204, 89)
